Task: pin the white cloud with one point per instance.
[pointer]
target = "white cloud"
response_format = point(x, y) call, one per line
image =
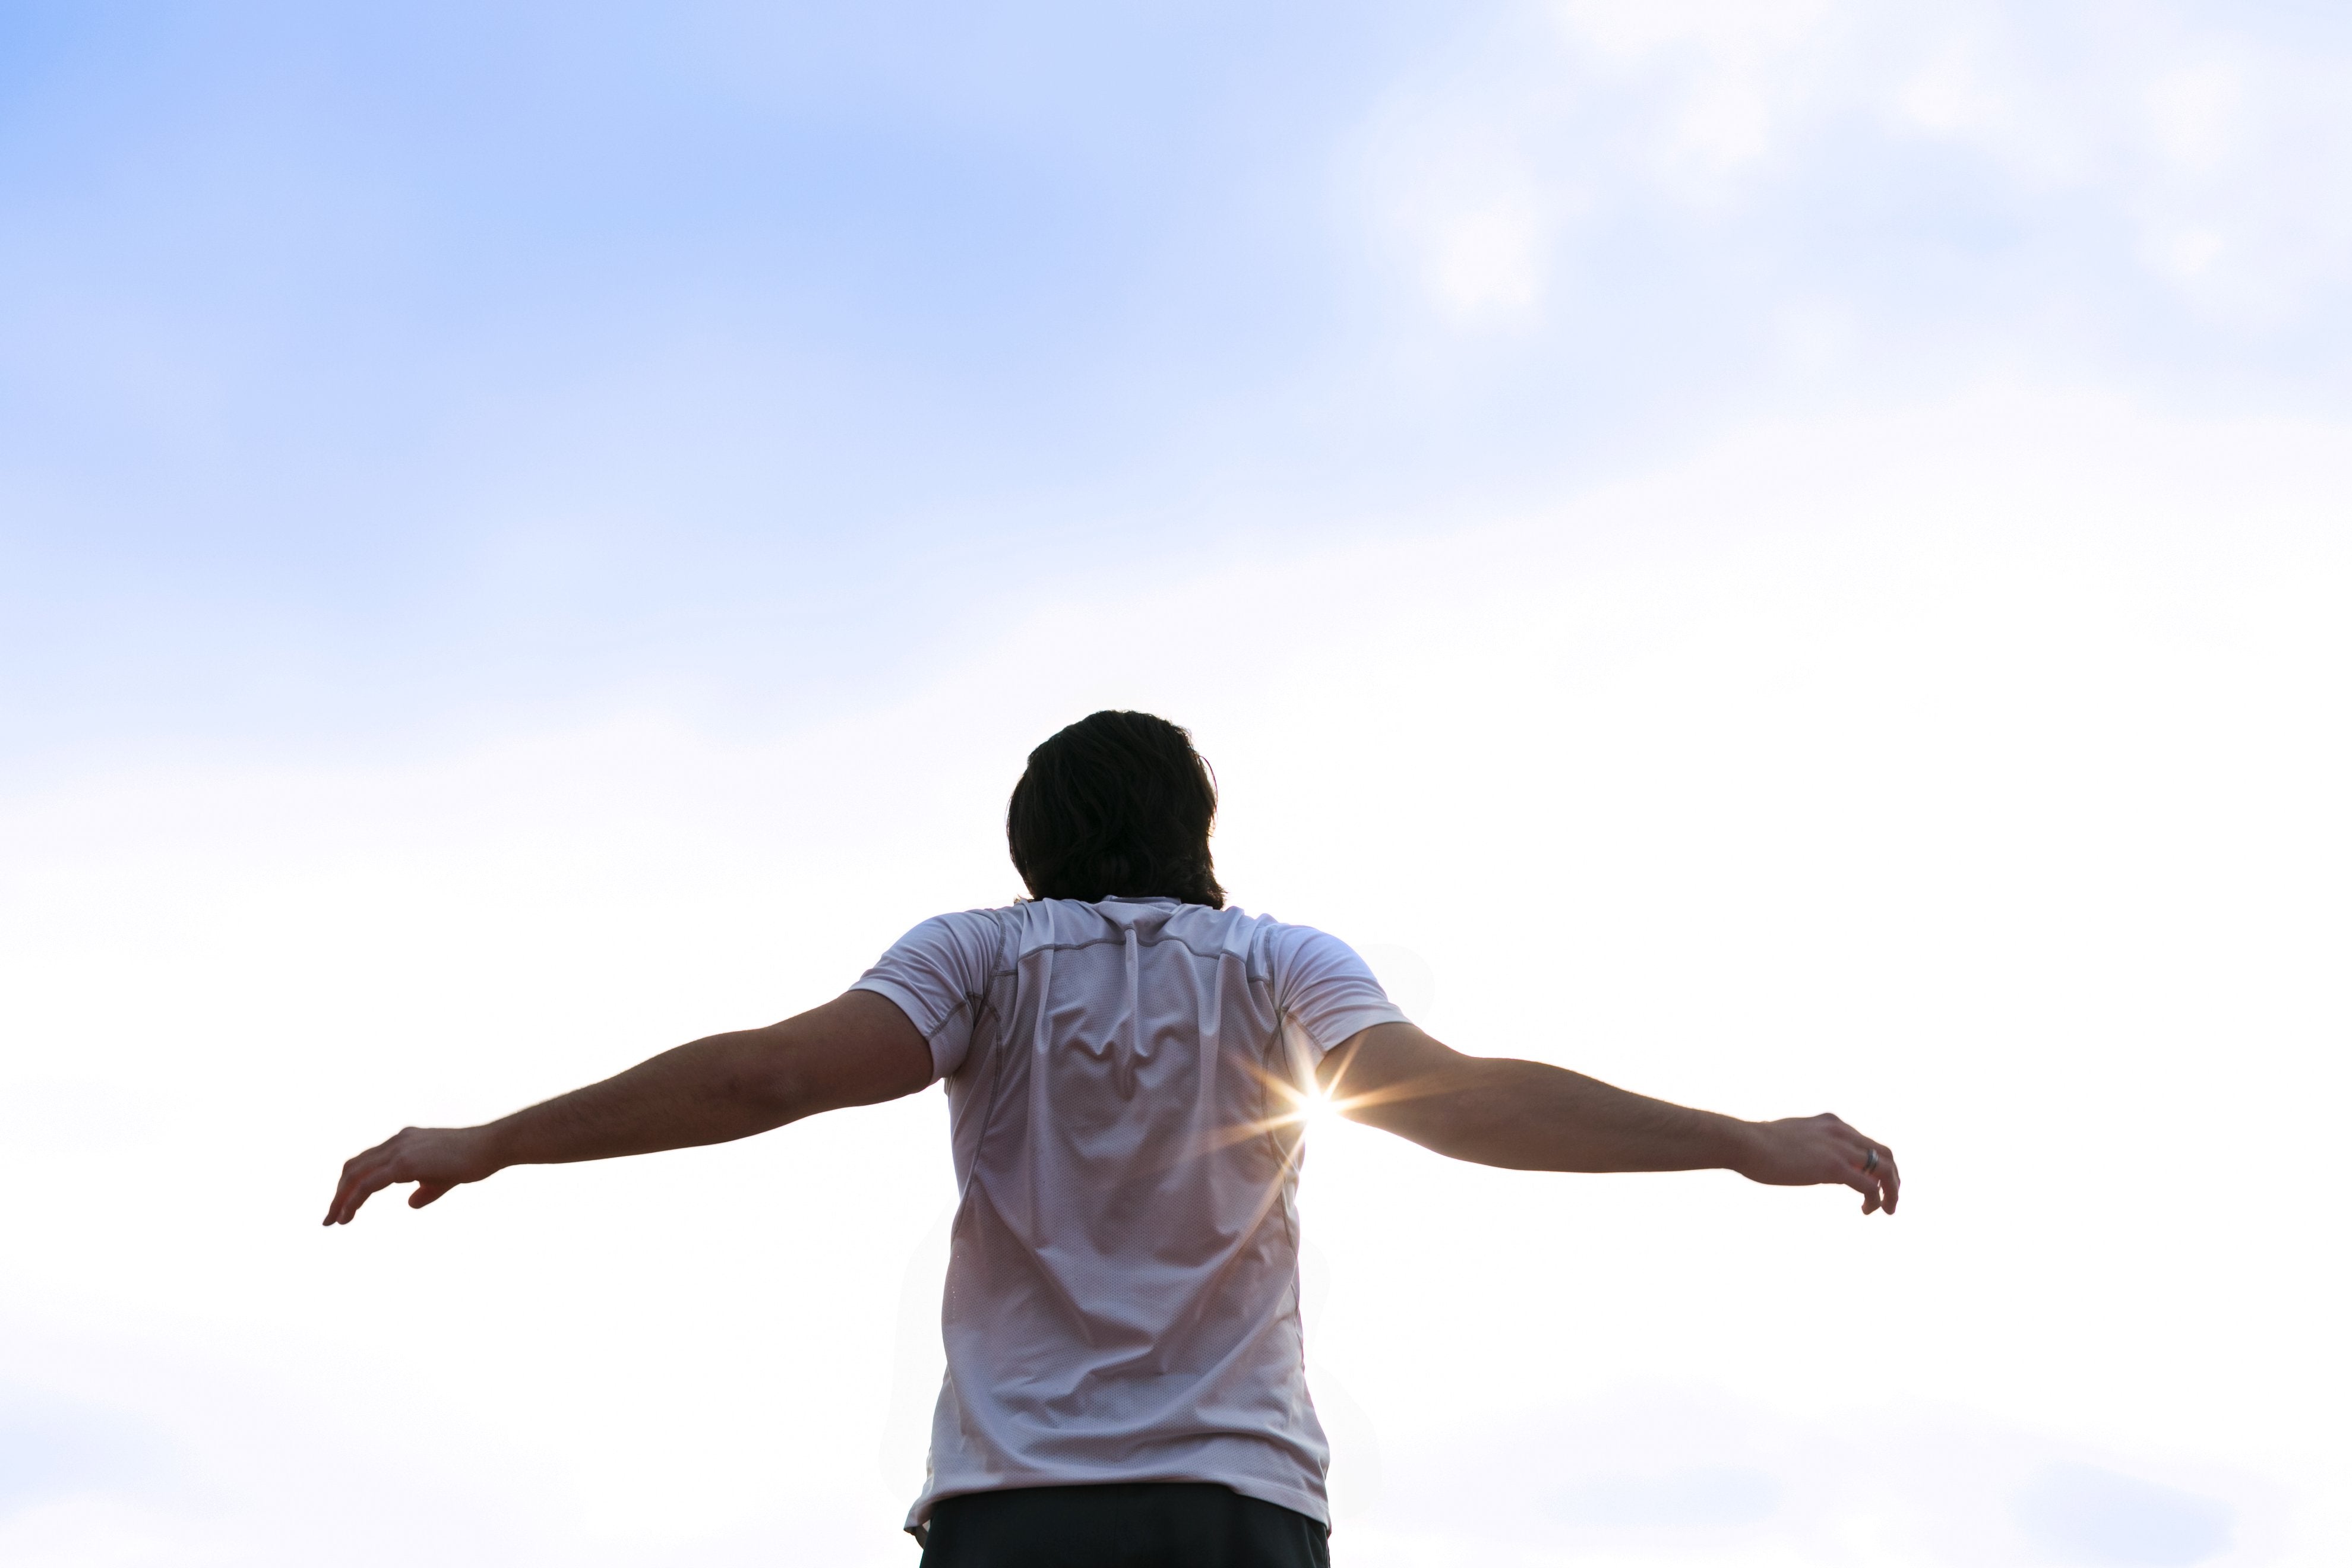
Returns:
point(1491, 259)
point(1733, 71)
point(2219, 146)
point(2197, 113)
point(1631, 32)
point(1477, 217)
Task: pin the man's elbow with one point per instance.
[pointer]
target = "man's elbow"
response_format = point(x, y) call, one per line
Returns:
point(763, 1082)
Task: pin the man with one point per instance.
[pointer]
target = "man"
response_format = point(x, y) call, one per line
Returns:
point(1126, 1062)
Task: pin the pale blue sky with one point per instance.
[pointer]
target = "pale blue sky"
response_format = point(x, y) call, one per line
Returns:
point(363, 372)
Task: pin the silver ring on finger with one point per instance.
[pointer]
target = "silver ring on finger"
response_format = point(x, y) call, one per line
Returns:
point(1872, 1163)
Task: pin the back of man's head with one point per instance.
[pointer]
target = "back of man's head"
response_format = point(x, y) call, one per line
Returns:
point(1116, 803)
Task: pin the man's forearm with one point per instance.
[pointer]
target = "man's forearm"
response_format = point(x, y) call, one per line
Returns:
point(711, 1090)
point(1531, 1116)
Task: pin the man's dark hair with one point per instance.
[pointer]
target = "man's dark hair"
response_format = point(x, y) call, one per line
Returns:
point(1116, 803)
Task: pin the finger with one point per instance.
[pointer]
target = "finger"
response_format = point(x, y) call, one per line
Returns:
point(1877, 1184)
point(345, 1204)
point(1864, 1174)
point(1865, 1168)
point(363, 1185)
point(1867, 1185)
point(426, 1192)
point(1878, 1165)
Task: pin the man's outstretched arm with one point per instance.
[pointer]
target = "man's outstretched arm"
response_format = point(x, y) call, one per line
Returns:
point(857, 1050)
point(1530, 1116)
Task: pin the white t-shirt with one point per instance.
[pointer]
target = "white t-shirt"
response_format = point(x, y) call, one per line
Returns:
point(1122, 1296)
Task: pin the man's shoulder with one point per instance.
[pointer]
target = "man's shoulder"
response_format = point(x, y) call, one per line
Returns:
point(975, 931)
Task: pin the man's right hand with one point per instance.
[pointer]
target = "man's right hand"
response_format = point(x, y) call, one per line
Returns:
point(1814, 1150)
point(434, 1158)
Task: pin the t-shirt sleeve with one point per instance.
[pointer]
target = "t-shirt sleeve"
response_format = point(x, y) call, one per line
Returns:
point(1323, 988)
point(937, 974)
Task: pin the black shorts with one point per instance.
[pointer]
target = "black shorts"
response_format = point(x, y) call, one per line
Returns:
point(1127, 1524)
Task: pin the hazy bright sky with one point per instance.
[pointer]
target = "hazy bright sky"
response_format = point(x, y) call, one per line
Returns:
point(1790, 555)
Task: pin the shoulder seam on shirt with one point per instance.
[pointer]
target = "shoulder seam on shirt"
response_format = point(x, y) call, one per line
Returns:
point(1158, 940)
